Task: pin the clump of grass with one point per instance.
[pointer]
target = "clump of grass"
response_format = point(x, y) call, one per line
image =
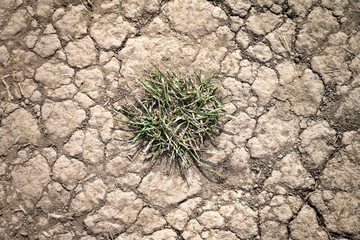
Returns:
point(174, 116)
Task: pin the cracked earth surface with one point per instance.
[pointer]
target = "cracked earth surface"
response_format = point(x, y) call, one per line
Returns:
point(291, 157)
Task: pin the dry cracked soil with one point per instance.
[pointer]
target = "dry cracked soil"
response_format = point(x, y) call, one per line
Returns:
point(290, 157)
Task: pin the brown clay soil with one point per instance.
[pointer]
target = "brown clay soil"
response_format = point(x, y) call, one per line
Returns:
point(290, 157)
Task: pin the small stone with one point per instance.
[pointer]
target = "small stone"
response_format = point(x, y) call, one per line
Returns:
point(34, 23)
point(60, 54)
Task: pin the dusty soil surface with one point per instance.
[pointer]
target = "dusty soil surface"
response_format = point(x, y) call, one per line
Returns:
point(290, 158)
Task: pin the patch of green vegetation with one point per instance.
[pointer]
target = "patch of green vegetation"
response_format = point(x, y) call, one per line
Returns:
point(174, 116)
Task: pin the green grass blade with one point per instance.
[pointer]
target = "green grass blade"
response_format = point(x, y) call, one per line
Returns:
point(176, 113)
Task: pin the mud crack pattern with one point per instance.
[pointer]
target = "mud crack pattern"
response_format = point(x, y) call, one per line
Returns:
point(291, 157)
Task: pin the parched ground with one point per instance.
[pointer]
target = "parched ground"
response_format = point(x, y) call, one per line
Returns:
point(290, 158)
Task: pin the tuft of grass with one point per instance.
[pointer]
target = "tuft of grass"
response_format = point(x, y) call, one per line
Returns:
point(174, 116)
